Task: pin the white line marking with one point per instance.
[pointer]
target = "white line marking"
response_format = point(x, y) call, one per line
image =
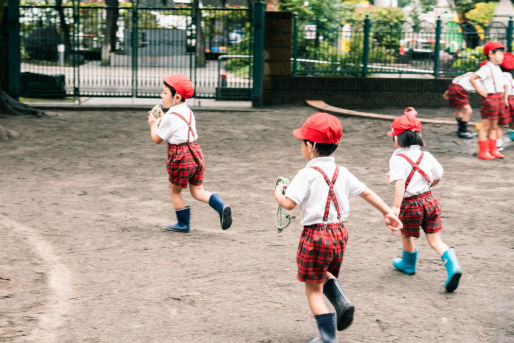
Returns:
point(59, 283)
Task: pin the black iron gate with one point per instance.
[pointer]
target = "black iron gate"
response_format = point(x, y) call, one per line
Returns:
point(87, 50)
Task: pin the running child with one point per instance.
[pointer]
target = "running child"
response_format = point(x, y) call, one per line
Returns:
point(493, 89)
point(457, 96)
point(322, 190)
point(413, 172)
point(185, 162)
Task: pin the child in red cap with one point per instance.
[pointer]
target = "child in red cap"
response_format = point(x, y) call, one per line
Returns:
point(185, 162)
point(507, 67)
point(457, 96)
point(493, 89)
point(413, 200)
point(324, 237)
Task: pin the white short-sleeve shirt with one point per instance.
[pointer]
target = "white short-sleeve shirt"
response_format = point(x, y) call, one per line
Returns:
point(491, 78)
point(510, 80)
point(175, 130)
point(399, 169)
point(309, 191)
point(463, 81)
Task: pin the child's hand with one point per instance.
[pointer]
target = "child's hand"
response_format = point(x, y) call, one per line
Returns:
point(482, 93)
point(281, 189)
point(152, 121)
point(387, 178)
point(392, 222)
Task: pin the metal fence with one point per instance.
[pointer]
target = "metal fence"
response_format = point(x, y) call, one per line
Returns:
point(363, 50)
point(64, 49)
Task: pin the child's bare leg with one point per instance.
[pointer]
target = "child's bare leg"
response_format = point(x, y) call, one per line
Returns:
point(484, 129)
point(408, 243)
point(493, 129)
point(436, 243)
point(176, 197)
point(465, 112)
point(199, 193)
point(314, 292)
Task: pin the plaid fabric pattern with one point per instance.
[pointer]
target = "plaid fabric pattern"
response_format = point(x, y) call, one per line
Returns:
point(321, 249)
point(457, 96)
point(509, 111)
point(492, 106)
point(185, 164)
point(423, 211)
point(331, 194)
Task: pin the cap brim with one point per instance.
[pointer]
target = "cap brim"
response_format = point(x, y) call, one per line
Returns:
point(297, 134)
point(390, 133)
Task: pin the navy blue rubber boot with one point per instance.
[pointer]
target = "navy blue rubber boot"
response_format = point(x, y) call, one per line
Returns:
point(183, 216)
point(449, 259)
point(407, 263)
point(344, 308)
point(327, 328)
point(217, 203)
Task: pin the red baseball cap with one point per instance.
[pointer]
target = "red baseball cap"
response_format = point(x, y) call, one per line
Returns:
point(404, 123)
point(410, 110)
point(320, 127)
point(508, 61)
point(493, 45)
point(181, 84)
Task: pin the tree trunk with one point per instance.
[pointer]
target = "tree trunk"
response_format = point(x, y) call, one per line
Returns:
point(200, 44)
point(8, 105)
point(64, 27)
point(111, 26)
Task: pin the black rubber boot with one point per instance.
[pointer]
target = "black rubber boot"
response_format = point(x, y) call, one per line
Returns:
point(327, 328)
point(344, 308)
point(462, 131)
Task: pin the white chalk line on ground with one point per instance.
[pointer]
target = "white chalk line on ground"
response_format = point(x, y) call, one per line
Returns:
point(59, 283)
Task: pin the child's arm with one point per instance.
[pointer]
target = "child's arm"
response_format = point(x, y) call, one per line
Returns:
point(399, 191)
point(445, 95)
point(282, 200)
point(479, 90)
point(435, 182)
point(154, 125)
point(390, 219)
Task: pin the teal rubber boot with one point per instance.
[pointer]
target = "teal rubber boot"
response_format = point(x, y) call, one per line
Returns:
point(407, 263)
point(511, 134)
point(327, 328)
point(217, 203)
point(183, 216)
point(449, 259)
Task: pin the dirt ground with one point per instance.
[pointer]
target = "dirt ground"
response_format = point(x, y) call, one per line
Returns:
point(84, 258)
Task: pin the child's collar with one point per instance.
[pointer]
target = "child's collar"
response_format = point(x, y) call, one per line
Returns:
point(320, 159)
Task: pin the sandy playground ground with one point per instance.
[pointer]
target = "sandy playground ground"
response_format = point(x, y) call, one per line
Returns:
point(84, 258)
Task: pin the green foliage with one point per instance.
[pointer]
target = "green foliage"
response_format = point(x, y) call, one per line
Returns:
point(427, 5)
point(482, 13)
point(468, 60)
point(240, 66)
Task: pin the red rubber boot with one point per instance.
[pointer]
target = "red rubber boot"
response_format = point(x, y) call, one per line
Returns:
point(483, 151)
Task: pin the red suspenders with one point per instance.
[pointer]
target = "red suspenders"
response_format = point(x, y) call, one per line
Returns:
point(190, 130)
point(415, 167)
point(331, 194)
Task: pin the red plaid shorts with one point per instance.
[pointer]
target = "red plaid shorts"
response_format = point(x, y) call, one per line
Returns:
point(493, 106)
point(457, 96)
point(509, 111)
point(420, 210)
point(185, 164)
point(321, 249)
